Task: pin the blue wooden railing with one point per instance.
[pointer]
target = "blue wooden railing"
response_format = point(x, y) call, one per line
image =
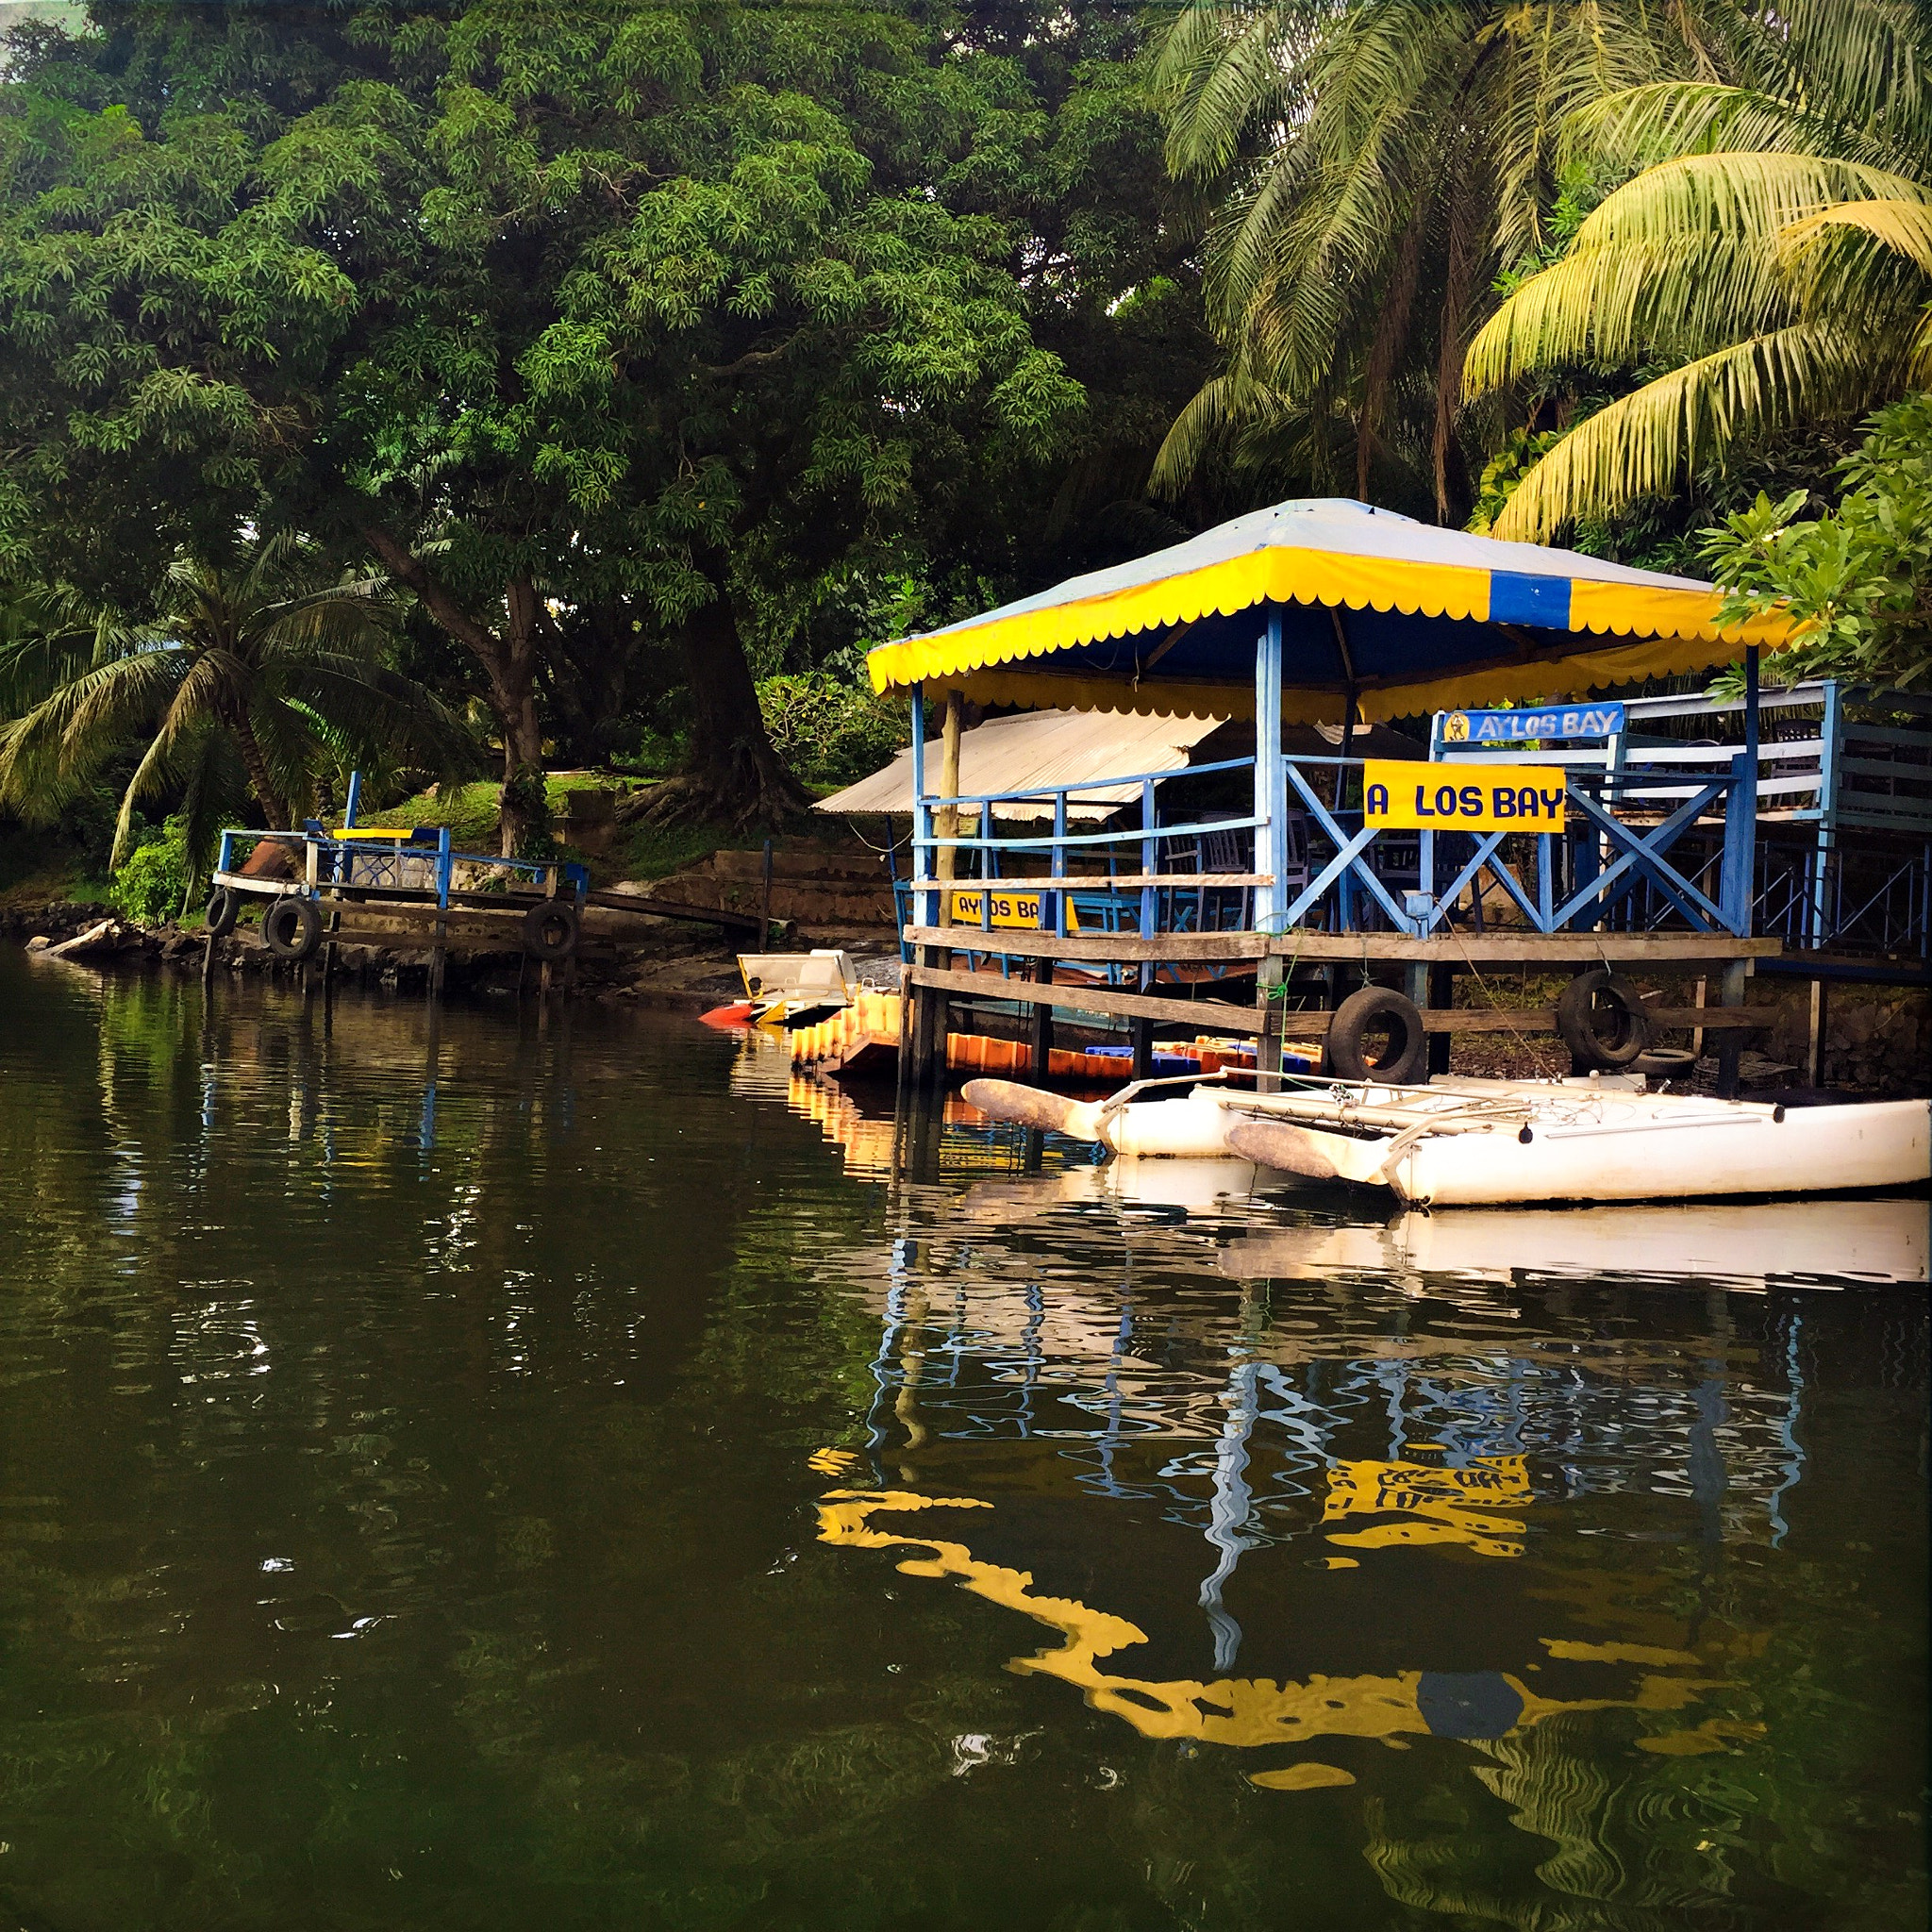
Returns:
point(379, 860)
point(1602, 871)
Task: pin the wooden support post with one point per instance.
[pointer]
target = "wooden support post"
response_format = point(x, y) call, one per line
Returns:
point(1814, 1042)
point(1442, 996)
point(1268, 987)
point(903, 1076)
point(1730, 1046)
point(1142, 1034)
point(929, 1028)
point(1042, 1024)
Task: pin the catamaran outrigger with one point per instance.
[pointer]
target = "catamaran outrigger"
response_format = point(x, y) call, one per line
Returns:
point(1489, 1142)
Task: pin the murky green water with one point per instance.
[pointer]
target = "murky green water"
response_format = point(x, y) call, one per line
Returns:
point(471, 1475)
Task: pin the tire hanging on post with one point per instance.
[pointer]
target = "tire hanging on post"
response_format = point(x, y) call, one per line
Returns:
point(1369, 1011)
point(550, 930)
point(1602, 1021)
point(291, 927)
point(223, 910)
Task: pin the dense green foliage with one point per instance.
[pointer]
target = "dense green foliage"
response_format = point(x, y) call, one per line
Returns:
point(1767, 264)
point(652, 361)
point(157, 877)
point(828, 729)
point(1377, 165)
point(607, 332)
point(1859, 578)
point(1599, 249)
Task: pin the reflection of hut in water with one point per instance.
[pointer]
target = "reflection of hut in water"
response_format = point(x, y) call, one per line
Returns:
point(1057, 1424)
point(1358, 1428)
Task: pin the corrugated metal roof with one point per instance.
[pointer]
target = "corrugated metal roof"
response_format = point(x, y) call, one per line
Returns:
point(1036, 748)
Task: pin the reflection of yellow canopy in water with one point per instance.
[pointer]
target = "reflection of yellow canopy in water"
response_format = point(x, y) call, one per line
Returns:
point(1435, 1505)
point(1242, 1712)
point(1406, 616)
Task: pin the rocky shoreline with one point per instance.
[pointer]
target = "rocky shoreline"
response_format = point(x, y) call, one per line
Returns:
point(1878, 1038)
point(680, 968)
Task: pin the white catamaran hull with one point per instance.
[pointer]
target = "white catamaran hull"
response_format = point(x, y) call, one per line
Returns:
point(1498, 1143)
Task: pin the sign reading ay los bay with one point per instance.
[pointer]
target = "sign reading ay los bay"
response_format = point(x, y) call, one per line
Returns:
point(1009, 908)
point(1410, 797)
point(1518, 728)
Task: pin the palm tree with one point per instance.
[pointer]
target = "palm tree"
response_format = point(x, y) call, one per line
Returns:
point(1378, 162)
point(1767, 263)
point(245, 681)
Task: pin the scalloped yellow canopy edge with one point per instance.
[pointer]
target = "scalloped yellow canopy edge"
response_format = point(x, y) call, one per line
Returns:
point(1671, 631)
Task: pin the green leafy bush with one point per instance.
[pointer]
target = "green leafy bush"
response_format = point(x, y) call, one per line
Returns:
point(1859, 578)
point(829, 731)
point(152, 884)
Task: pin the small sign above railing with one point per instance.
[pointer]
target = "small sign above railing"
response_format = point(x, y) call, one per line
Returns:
point(1523, 727)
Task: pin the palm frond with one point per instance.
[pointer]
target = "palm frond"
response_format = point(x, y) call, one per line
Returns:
point(1221, 69)
point(374, 710)
point(1903, 227)
point(1691, 256)
point(214, 792)
point(1225, 405)
point(1862, 63)
point(1733, 196)
point(1645, 443)
point(45, 641)
point(1640, 126)
point(1607, 307)
point(192, 711)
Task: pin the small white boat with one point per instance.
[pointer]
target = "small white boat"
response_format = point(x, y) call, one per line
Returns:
point(1492, 1142)
point(798, 988)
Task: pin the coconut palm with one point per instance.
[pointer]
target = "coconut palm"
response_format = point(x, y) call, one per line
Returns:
point(244, 682)
point(1768, 264)
point(1378, 162)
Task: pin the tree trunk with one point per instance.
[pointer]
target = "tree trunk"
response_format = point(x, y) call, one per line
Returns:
point(522, 816)
point(510, 662)
point(274, 813)
point(734, 777)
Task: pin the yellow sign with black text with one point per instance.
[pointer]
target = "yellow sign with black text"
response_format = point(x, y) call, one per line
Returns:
point(1408, 797)
point(1013, 911)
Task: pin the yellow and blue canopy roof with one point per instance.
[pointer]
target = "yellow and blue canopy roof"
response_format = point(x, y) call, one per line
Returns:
point(1411, 617)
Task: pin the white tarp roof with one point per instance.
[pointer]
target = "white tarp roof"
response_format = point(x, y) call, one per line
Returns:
point(1037, 748)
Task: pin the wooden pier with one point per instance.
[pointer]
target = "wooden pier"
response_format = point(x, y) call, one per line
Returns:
point(1425, 969)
